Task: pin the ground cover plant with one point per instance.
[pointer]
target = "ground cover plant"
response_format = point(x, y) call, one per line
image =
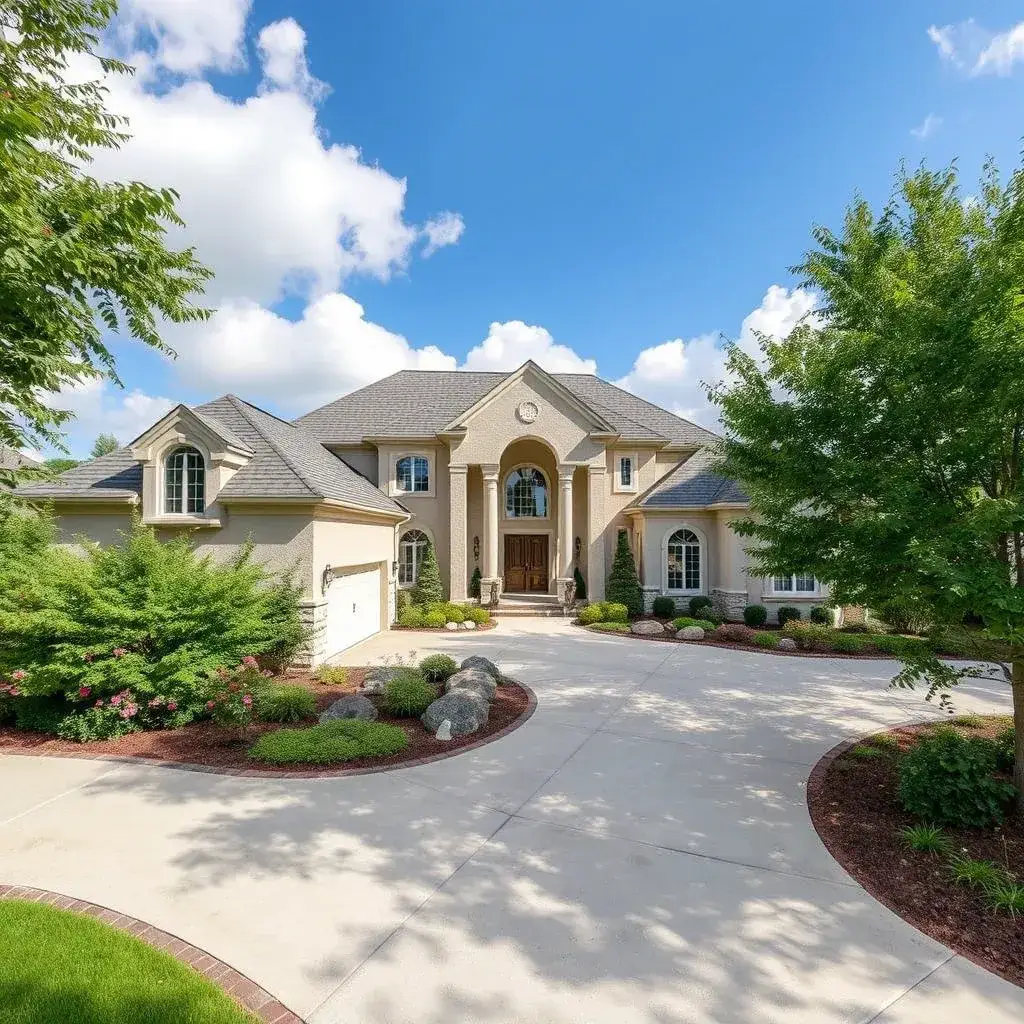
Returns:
point(329, 743)
point(59, 966)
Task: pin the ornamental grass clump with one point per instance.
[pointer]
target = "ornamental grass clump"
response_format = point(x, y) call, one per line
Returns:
point(145, 616)
point(436, 668)
point(287, 702)
point(408, 694)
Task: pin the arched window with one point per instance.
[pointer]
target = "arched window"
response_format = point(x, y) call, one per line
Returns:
point(412, 474)
point(526, 494)
point(411, 549)
point(184, 482)
point(683, 561)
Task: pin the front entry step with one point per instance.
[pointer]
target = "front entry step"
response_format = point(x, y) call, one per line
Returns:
point(512, 605)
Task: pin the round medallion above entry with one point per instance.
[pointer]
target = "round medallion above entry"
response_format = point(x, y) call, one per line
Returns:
point(527, 412)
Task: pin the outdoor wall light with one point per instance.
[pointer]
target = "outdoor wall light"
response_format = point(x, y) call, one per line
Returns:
point(325, 579)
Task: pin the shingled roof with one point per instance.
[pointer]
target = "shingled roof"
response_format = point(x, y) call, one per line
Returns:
point(693, 483)
point(419, 403)
point(286, 463)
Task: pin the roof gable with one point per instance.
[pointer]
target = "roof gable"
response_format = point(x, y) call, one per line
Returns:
point(531, 372)
point(692, 484)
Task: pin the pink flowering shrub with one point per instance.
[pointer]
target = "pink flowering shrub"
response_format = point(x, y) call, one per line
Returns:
point(235, 697)
point(145, 617)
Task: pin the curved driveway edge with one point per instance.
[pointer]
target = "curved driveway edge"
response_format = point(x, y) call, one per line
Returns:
point(243, 990)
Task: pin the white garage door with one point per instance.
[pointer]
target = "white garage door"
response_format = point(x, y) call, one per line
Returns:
point(353, 609)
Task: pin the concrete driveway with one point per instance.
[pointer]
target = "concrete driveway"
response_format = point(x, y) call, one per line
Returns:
point(638, 853)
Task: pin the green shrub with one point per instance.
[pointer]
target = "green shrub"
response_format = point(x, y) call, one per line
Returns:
point(820, 615)
point(412, 617)
point(40, 714)
point(408, 694)
point(886, 741)
point(848, 643)
point(865, 752)
point(454, 612)
point(949, 779)
point(897, 646)
point(611, 627)
point(236, 697)
point(402, 601)
point(663, 608)
point(768, 640)
point(787, 613)
point(684, 620)
point(330, 743)
point(734, 633)
point(612, 611)
point(428, 588)
point(434, 620)
point(332, 675)
point(590, 614)
point(697, 604)
point(147, 616)
point(581, 584)
point(474, 583)
point(925, 838)
point(904, 616)
point(287, 702)
point(854, 627)
point(712, 615)
point(755, 615)
point(481, 616)
point(810, 637)
point(96, 723)
point(1005, 754)
point(436, 668)
point(623, 585)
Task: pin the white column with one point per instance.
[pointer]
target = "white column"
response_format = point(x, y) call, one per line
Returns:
point(595, 532)
point(490, 560)
point(457, 532)
point(565, 522)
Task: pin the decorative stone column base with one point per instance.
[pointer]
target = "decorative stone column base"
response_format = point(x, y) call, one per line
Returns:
point(313, 615)
point(729, 602)
point(650, 593)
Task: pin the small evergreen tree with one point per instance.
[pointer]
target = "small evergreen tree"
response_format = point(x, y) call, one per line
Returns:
point(474, 583)
point(428, 589)
point(623, 583)
point(581, 584)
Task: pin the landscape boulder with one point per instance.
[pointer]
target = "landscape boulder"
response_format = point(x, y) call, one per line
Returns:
point(352, 706)
point(647, 627)
point(786, 644)
point(690, 633)
point(466, 710)
point(378, 678)
point(468, 624)
point(452, 626)
point(482, 663)
point(474, 679)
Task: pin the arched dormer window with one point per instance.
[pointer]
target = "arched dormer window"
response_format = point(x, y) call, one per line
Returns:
point(412, 474)
point(683, 564)
point(526, 494)
point(411, 549)
point(184, 482)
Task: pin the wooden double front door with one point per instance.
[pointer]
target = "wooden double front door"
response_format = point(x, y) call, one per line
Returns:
point(526, 563)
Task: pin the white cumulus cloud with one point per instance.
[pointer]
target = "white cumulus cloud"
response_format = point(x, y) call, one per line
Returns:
point(444, 229)
point(510, 344)
point(282, 47)
point(975, 50)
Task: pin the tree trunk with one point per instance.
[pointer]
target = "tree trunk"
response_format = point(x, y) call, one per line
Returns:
point(1018, 727)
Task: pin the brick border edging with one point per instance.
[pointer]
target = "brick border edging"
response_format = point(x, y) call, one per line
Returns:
point(256, 773)
point(812, 792)
point(242, 989)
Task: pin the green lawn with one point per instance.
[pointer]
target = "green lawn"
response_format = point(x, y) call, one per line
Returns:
point(58, 967)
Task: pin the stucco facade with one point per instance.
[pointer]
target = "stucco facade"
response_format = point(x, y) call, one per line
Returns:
point(527, 478)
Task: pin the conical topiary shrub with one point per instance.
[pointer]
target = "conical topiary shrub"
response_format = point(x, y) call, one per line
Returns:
point(474, 583)
point(428, 589)
point(581, 584)
point(623, 583)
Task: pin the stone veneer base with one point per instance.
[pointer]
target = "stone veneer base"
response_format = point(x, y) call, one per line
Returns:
point(241, 989)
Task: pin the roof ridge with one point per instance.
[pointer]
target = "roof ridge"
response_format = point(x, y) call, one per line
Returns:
point(243, 407)
point(241, 401)
point(637, 398)
point(348, 394)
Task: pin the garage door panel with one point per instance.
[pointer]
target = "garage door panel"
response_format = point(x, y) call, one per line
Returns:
point(353, 609)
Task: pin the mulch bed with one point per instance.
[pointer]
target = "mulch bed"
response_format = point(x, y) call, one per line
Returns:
point(209, 746)
point(668, 638)
point(852, 802)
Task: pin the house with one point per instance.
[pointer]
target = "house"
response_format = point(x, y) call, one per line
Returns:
point(11, 458)
point(525, 476)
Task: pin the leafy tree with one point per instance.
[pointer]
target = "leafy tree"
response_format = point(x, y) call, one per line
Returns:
point(429, 588)
point(103, 445)
point(60, 465)
point(882, 442)
point(623, 585)
point(71, 247)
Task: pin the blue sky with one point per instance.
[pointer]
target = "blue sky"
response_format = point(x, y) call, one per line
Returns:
point(604, 184)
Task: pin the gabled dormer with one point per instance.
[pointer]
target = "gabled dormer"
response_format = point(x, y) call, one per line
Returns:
point(187, 459)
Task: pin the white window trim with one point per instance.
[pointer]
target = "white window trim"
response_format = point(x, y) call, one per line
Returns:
point(617, 486)
point(431, 490)
point(670, 532)
point(161, 495)
point(408, 528)
point(503, 496)
point(794, 594)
